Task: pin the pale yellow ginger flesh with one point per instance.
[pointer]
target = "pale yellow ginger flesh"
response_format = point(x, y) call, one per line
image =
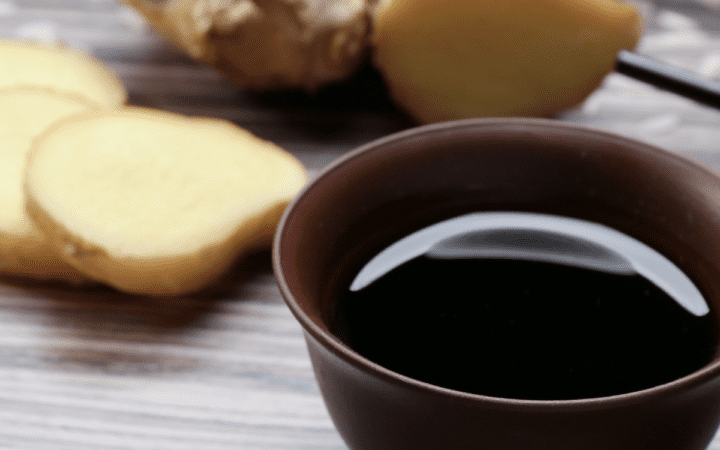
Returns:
point(67, 71)
point(268, 44)
point(445, 60)
point(24, 115)
point(157, 203)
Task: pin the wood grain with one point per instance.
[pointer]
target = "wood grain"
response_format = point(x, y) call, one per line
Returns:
point(90, 368)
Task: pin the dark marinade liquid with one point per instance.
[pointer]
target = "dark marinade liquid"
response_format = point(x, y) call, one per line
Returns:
point(523, 329)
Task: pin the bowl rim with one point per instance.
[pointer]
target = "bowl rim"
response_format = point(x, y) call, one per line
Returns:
point(332, 344)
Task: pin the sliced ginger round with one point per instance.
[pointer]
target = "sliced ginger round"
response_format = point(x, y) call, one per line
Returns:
point(25, 114)
point(64, 70)
point(156, 203)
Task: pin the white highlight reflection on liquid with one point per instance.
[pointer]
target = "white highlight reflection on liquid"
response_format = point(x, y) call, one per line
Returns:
point(538, 237)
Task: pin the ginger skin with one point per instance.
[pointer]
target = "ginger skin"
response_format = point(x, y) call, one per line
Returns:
point(268, 44)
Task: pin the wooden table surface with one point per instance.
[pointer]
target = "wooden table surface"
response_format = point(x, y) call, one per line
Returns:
point(228, 369)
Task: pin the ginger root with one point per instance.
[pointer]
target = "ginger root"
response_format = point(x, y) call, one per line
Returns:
point(441, 59)
point(445, 60)
point(268, 44)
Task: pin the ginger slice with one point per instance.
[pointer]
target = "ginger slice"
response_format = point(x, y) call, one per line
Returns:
point(25, 114)
point(67, 71)
point(157, 203)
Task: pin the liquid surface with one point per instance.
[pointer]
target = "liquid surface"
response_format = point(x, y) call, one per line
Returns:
point(523, 328)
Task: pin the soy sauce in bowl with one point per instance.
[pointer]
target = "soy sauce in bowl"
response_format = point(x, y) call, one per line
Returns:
point(527, 306)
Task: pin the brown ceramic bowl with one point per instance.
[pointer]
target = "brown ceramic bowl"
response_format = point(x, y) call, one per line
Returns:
point(390, 187)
